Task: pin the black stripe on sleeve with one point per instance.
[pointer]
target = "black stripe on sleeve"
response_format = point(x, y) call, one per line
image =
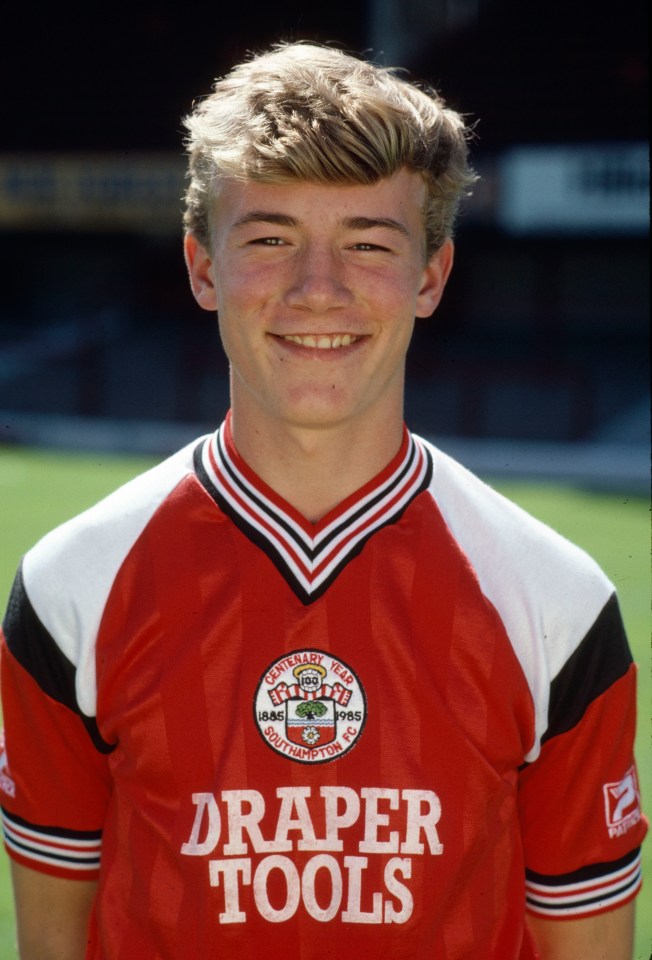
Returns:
point(37, 651)
point(593, 872)
point(57, 833)
point(619, 891)
point(602, 657)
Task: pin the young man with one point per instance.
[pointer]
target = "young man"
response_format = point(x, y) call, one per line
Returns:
point(310, 687)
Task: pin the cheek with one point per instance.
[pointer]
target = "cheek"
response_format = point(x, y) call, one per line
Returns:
point(247, 298)
point(241, 337)
point(394, 294)
point(235, 307)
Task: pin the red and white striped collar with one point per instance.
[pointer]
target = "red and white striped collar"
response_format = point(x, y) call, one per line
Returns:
point(310, 555)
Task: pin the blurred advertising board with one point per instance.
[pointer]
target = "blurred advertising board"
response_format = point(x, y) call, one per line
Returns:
point(583, 188)
point(139, 192)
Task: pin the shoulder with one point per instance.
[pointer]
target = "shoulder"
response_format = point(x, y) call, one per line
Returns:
point(67, 575)
point(111, 523)
point(490, 527)
point(548, 592)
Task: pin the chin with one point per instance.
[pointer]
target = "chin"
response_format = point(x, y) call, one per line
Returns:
point(318, 419)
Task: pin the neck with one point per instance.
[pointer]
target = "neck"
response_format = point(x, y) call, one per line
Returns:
point(314, 470)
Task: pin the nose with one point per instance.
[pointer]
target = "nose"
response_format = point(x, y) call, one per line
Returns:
point(318, 283)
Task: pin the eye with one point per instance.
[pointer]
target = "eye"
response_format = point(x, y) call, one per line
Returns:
point(369, 247)
point(268, 241)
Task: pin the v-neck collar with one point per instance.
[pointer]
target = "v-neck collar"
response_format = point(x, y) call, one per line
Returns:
point(309, 555)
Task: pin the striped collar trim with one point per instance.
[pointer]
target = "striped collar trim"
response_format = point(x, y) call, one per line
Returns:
point(309, 556)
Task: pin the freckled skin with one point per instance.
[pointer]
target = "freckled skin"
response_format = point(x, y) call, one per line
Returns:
point(285, 261)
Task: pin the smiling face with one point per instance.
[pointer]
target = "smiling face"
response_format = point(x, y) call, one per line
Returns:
point(317, 287)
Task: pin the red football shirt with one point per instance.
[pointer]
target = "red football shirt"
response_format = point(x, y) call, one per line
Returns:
point(380, 733)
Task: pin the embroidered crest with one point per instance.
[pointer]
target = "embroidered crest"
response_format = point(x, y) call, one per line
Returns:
point(310, 706)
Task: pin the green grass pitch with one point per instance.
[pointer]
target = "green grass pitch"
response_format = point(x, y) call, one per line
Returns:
point(40, 489)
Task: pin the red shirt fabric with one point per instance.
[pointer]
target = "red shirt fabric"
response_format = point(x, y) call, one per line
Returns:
point(386, 732)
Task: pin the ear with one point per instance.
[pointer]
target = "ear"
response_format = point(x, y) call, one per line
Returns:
point(200, 272)
point(435, 275)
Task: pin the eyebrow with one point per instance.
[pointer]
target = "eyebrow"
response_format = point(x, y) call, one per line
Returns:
point(369, 223)
point(351, 223)
point(263, 216)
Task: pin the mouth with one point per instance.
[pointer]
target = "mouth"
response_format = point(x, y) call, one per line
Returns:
point(322, 341)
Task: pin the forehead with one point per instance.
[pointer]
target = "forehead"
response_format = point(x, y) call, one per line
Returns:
point(400, 198)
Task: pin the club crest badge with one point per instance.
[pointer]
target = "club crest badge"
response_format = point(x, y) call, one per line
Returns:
point(310, 706)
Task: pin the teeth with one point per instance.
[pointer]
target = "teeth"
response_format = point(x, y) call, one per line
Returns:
point(323, 341)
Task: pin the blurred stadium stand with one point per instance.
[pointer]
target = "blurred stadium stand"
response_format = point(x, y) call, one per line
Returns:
point(539, 352)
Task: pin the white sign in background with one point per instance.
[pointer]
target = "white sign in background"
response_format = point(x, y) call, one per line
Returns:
point(596, 188)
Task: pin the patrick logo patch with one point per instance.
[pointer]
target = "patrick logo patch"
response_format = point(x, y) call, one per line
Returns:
point(7, 784)
point(622, 804)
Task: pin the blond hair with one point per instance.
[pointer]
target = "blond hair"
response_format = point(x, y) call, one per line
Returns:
point(316, 114)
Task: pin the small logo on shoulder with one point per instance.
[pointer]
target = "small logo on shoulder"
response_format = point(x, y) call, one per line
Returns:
point(622, 804)
point(310, 707)
point(7, 784)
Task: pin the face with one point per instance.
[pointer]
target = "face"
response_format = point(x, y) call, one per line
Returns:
point(316, 288)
